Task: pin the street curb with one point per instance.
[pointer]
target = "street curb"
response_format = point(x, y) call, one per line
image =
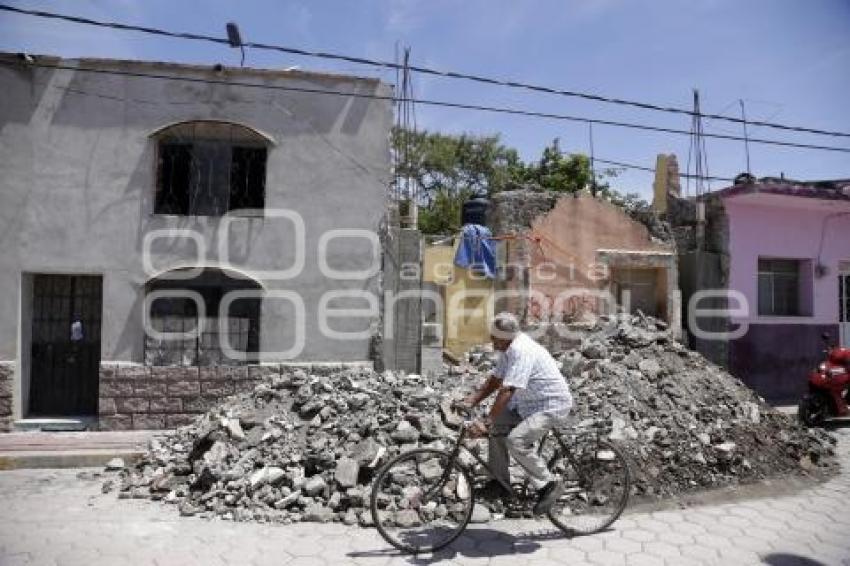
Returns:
point(31, 460)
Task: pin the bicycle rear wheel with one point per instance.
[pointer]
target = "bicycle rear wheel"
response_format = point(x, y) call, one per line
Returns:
point(419, 503)
point(597, 483)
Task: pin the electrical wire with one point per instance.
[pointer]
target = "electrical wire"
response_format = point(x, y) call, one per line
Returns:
point(414, 68)
point(426, 102)
point(652, 170)
point(361, 166)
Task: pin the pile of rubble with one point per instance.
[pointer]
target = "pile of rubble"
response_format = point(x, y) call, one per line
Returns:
point(684, 422)
point(305, 446)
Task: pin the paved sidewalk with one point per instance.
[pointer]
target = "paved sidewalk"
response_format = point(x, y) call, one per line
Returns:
point(51, 518)
point(21, 450)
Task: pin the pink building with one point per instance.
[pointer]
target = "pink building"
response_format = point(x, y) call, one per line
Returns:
point(780, 250)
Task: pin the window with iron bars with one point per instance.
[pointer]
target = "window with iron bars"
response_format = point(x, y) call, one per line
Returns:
point(209, 169)
point(179, 315)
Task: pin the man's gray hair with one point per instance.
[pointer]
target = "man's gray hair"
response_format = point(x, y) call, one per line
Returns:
point(505, 325)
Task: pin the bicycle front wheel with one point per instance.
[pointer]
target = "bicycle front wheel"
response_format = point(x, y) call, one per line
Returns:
point(422, 500)
point(597, 483)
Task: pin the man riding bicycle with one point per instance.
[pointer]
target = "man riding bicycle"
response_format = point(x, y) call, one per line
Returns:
point(533, 398)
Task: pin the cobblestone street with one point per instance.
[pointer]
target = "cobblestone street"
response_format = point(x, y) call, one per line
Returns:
point(52, 518)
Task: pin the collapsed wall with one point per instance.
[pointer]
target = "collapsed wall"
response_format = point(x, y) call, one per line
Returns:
point(304, 446)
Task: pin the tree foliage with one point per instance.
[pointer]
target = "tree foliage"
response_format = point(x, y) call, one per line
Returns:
point(451, 164)
point(450, 169)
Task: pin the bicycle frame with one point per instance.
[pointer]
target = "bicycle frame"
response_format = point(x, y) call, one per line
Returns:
point(459, 444)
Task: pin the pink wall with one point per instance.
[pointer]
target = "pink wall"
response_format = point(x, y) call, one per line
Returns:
point(787, 227)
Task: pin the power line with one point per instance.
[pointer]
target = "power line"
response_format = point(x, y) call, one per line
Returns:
point(652, 170)
point(414, 68)
point(426, 102)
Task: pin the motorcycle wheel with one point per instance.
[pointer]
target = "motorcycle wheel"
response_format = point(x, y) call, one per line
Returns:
point(812, 410)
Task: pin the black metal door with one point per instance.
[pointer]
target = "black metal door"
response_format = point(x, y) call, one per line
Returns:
point(65, 345)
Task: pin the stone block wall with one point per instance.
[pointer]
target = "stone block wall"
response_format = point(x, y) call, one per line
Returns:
point(7, 373)
point(158, 397)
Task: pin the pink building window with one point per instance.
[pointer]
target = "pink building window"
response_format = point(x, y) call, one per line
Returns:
point(784, 287)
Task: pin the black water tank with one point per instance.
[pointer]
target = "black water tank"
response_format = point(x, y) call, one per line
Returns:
point(475, 211)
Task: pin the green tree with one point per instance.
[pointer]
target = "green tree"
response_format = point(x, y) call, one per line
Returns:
point(567, 173)
point(440, 162)
point(450, 169)
point(442, 215)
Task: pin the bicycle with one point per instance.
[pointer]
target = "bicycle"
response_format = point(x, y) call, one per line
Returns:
point(423, 499)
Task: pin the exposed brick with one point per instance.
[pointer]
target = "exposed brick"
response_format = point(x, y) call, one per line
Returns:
point(150, 389)
point(174, 373)
point(5, 388)
point(173, 421)
point(198, 404)
point(263, 372)
point(108, 371)
point(7, 371)
point(135, 373)
point(162, 373)
point(113, 388)
point(210, 373)
point(132, 405)
point(218, 388)
point(180, 388)
point(148, 422)
point(116, 422)
point(5, 407)
point(166, 405)
point(106, 406)
point(233, 373)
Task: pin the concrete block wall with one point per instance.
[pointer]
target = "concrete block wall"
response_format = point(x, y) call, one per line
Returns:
point(7, 373)
point(158, 397)
point(403, 250)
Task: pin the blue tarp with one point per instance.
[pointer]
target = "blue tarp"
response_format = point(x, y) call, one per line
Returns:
point(477, 251)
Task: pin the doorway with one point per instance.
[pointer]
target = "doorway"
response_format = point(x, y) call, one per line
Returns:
point(65, 348)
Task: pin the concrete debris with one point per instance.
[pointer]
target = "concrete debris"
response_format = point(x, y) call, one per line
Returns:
point(480, 514)
point(115, 464)
point(683, 422)
point(303, 447)
point(306, 445)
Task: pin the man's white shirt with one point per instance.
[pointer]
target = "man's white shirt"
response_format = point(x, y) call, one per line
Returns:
point(533, 372)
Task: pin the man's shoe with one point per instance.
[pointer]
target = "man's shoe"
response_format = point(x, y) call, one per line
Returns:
point(547, 496)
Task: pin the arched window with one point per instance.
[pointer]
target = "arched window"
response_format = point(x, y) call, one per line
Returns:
point(175, 312)
point(207, 168)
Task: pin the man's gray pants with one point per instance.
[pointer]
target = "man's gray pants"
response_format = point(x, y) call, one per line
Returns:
point(511, 434)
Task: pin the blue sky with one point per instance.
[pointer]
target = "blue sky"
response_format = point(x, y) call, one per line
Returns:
point(789, 60)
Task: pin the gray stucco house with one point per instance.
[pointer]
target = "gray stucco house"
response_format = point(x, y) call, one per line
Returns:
point(222, 209)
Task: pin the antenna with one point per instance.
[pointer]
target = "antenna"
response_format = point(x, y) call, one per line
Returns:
point(592, 168)
point(697, 150)
point(408, 188)
point(746, 137)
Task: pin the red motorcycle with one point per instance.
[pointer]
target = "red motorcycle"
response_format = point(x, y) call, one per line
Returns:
point(829, 387)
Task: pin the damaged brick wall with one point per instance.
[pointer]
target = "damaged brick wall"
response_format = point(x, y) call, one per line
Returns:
point(140, 397)
point(563, 267)
point(7, 373)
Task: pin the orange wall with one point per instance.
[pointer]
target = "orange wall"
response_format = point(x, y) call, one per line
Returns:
point(572, 232)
